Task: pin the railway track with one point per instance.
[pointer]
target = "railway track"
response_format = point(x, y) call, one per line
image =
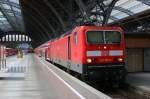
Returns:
point(125, 92)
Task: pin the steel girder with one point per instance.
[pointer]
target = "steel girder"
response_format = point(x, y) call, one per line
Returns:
point(63, 7)
point(56, 13)
point(82, 8)
point(18, 25)
point(54, 17)
point(51, 17)
point(37, 31)
point(69, 11)
point(108, 11)
point(9, 11)
point(12, 3)
point(113, 18)
point(92, 3)
point(8, 19)
point(101, 7)
point(147, 2)
point(39, 26)
point(123, 10)
point(41, 17)
point(105, 9)
point(1, 16)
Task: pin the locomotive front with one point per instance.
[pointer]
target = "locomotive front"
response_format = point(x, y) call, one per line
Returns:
point(105, 58)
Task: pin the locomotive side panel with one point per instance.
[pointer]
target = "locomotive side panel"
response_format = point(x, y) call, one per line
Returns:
point(71, 44)
point(77, 50)
point(58, 52)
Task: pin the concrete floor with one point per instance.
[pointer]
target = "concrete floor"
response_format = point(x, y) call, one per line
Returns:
point(39, 83)
point(31, 86)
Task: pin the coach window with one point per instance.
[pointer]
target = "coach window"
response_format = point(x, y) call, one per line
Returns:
point(75, 38)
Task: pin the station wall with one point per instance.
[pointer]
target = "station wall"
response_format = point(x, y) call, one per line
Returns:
point(138, 53)
point(134, 60)
point(147, 60)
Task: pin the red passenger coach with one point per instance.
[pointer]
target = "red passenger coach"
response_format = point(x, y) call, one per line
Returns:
point(41, 51)
point(11, 51)
point(94, 52)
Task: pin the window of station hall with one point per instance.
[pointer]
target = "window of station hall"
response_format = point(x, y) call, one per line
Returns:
point(16, 38)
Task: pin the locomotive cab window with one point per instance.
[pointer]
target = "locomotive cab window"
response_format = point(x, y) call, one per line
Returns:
point(75, 38)
point(112, 37)
point(103, 37)
point(95, 37)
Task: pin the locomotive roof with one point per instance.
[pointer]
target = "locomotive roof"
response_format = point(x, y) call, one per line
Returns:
point(91, 27)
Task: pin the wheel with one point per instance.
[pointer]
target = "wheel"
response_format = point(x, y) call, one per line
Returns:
point(68, 70)
point(84, 78)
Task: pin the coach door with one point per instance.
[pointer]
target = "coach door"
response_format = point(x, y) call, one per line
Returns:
point(46, 53)
point(69, 49)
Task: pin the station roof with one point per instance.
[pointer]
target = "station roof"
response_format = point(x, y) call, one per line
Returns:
point(47, 19)
point(127, 8)
point(122, 9)
point(11, 16)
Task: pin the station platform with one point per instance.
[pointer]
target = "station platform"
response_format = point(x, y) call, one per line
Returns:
point(140, 81)
point(45, 81)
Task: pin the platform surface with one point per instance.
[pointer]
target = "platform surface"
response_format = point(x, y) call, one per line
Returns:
point(45, 81)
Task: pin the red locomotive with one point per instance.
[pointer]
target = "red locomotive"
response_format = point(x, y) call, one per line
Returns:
point(93, 52)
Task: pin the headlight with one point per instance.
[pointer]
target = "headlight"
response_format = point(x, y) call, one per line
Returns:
point(120, 59)
point(105, 47)
point(89, 60)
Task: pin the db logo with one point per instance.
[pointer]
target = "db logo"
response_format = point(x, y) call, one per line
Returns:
point(105, 53)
